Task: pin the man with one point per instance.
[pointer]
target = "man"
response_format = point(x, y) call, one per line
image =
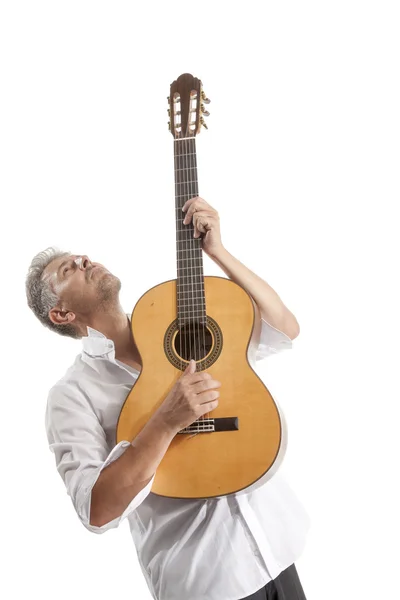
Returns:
point(229, 548)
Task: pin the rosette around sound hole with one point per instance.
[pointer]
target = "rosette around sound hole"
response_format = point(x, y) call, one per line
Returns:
point(193, 340)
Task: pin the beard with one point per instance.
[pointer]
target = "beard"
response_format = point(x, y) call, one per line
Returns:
point(108, 288)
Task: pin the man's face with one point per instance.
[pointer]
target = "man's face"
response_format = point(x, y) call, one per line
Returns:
point(82, 286)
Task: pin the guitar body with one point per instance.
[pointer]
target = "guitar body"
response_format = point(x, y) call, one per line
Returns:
point(249, 436)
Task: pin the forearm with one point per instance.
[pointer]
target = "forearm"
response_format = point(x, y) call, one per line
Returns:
point(272, 309)
point(124, 478)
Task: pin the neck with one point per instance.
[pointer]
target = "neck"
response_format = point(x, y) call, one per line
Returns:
point(189, 255)
point(116, 326)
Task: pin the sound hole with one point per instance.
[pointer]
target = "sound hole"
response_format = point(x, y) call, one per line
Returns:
point(193, 340)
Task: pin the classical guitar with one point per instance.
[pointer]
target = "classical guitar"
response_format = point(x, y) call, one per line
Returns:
point(215, 322)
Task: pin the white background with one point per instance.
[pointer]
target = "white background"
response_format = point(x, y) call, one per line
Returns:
point(301, 161)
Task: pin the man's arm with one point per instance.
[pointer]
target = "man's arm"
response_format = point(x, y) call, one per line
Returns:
point(124, 478)
point(271, 306)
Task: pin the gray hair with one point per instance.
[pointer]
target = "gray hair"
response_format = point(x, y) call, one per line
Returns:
point(40, 295)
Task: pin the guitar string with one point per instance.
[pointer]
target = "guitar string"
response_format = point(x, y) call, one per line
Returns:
point(200, 282)
point(188, 263)
point(191, 254)
point(178, 161)
point(201, 277)
point(193, 192)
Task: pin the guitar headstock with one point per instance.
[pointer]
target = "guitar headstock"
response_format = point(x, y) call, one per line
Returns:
point(187, 107)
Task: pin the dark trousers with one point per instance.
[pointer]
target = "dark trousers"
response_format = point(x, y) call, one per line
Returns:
point(286, 586)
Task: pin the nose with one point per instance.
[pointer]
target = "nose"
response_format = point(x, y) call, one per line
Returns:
point(83, 262)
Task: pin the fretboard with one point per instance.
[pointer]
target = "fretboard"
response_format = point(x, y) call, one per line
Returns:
point(189, 254)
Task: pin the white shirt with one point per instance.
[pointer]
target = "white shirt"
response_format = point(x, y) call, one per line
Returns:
point(213, 549)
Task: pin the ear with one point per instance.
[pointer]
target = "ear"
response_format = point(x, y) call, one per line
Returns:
point(60, 316)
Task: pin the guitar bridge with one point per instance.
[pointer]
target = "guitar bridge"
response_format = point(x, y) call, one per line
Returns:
point(210, 425)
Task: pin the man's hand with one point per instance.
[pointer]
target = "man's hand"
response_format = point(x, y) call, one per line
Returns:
point(193, 395)
point(206, 222)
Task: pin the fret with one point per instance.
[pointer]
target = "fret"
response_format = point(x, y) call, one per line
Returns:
point(192, 285)
point(188, 260)
point(184, 169)
point(189, 182)
point(186, 297)
point(189, 305)
point(185, 154)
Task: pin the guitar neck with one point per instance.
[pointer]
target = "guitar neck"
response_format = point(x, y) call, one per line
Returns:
point(189, 253)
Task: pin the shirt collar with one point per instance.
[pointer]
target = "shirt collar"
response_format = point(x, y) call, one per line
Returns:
point(97, 344)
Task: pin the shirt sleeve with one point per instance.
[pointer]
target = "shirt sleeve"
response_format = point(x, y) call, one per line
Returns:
point(79, 444)
point(272, 341)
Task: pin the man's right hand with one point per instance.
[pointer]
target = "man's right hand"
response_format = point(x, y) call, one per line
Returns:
point(193, 395)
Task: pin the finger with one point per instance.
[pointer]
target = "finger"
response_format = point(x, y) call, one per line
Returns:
point(207, 397)
point(189, 202)
point(197, 206)
point(205, 385)
point(191, 367)
point(203, 222)
point(198, 376)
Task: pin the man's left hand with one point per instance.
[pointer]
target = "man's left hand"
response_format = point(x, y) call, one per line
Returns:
point(206, 222)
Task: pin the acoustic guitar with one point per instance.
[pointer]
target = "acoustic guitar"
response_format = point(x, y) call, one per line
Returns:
point(214, 321)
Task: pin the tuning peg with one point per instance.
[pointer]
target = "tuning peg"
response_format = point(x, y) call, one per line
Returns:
point(203, 122)
point(169, 125)
point(204, 98)
point(204, 111)
point(169, 112)
point(168, 98)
